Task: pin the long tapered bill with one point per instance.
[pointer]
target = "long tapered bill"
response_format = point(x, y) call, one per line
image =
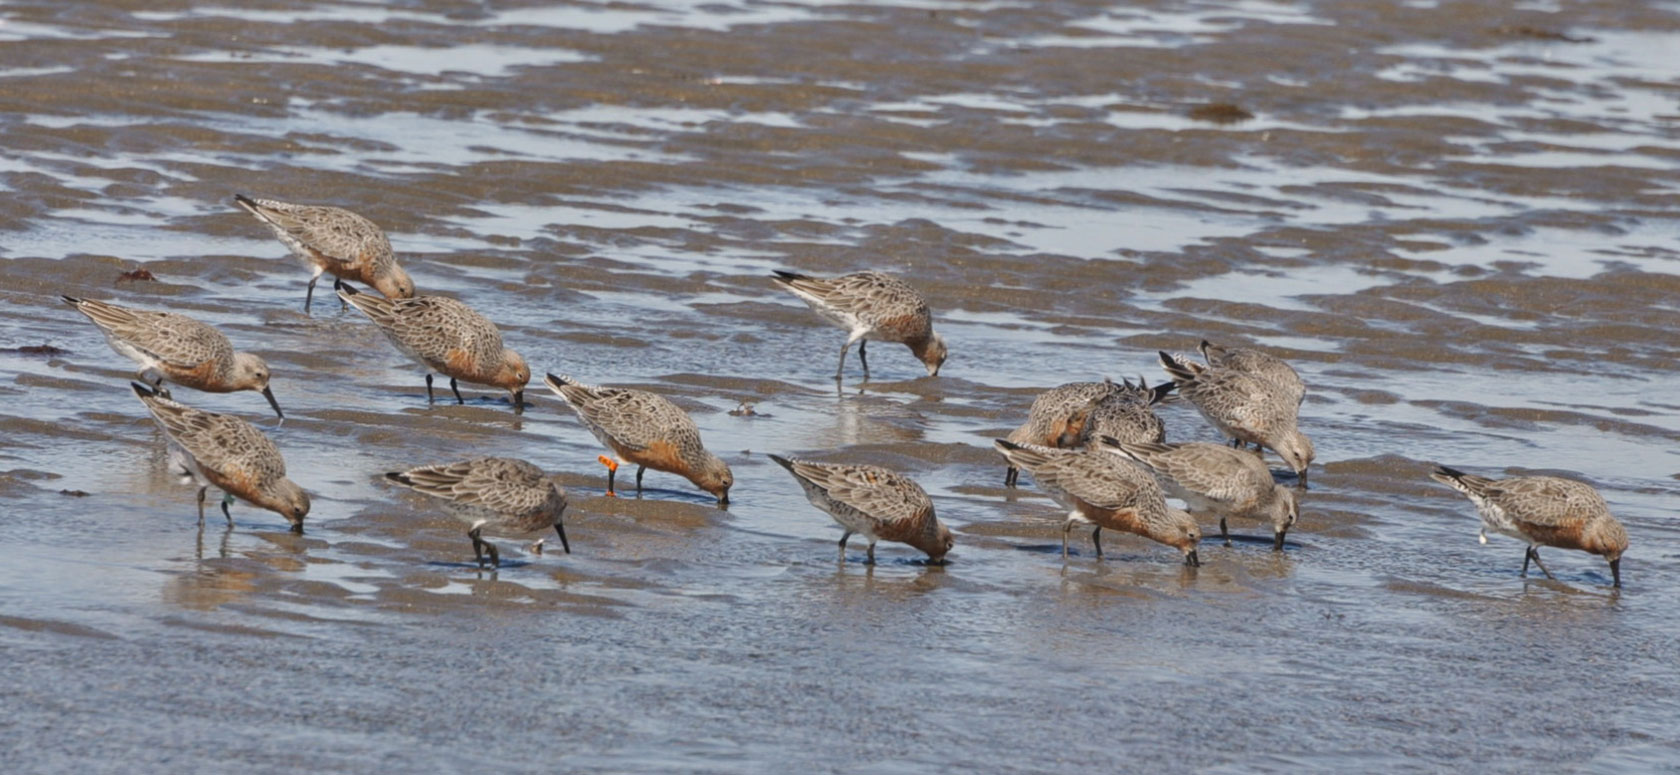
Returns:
point(269, 394)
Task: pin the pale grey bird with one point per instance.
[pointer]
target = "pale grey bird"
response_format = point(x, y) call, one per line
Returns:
point(502, 494)
point(1218, 480)
point(1246, 408)
point(871, 305)
point(1258, 363)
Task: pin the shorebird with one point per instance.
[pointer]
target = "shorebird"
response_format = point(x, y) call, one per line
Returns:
point(1543, 511)
point(872, 502)
point(645, 429)
point(503, 494)
point(333, 240)
point(1125, 414)
point(1246, 408)
point(1260, 364)
point(229, 453)
point(1067, 415)
point(1217, 479)
point(871, 305)
point(447, 337)
point(177, 348)
point(1099, 488)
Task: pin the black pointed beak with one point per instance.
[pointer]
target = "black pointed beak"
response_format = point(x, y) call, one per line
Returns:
point(1277, 541)
point(558, 528)
point(1192, 560)
point(519, 402)
point(1301, 479)
point(723, 500)
point(269, 394)
point(1616, 572)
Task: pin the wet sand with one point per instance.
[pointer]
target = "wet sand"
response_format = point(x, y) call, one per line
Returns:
point(1456, 221)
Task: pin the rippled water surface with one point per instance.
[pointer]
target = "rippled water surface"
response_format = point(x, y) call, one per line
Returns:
point(1458, 220)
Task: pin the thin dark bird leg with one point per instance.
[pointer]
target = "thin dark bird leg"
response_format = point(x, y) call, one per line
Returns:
point(227, 498)
point(478, 546)
point(457, 391)
point(1066, 526)
point(1222, 532)
point(844, 537)
point(863, 357)
point(1534, 553)
point(1010, 476)
point(309, 295)
point(428, 389)
point(639, 471)
point(1096, 540)
point(844, 348)
point(201, 504)
point(611, 472)
point(869, 558)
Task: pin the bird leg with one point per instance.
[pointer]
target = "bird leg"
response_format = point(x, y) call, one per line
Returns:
point(456, 390)
point(1066, 526)
point(840, 372)
point(428, 389)
point(1534, 554)
point(612, 470)
point(1096, 540)
point(1010, 476)
point(227, 498)
point(844, 537)
point(478, 546)
point(1223, 533)
point(863, 357)
point(869, 558)
point(201, 504)
point(639, 471)
point(309, 295)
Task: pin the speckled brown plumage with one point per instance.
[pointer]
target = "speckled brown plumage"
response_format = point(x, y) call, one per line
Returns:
point(502, 494)
point(873, 502)
point(871, 305)
point(448, 337)
point(228, 453)
point(1543, 511)
point(645, 429)
point(333, 240)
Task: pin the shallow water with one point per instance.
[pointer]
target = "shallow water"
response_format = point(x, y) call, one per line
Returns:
point(1456, 220)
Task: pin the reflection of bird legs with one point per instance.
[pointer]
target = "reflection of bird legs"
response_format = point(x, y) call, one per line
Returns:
point(612, 470)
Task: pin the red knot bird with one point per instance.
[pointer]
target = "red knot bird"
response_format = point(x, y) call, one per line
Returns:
point(1219, 480)
point(871, 305)
point(502, 494)
point(1101, 489)
point(872, 502)
point(1071, 415)
point(228, 453)
point(449, 338)
point(1260, 364)
point(1543, 511)
point(333, 240)
point(645, 429)
point(178, 349)
point(1246, 408)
